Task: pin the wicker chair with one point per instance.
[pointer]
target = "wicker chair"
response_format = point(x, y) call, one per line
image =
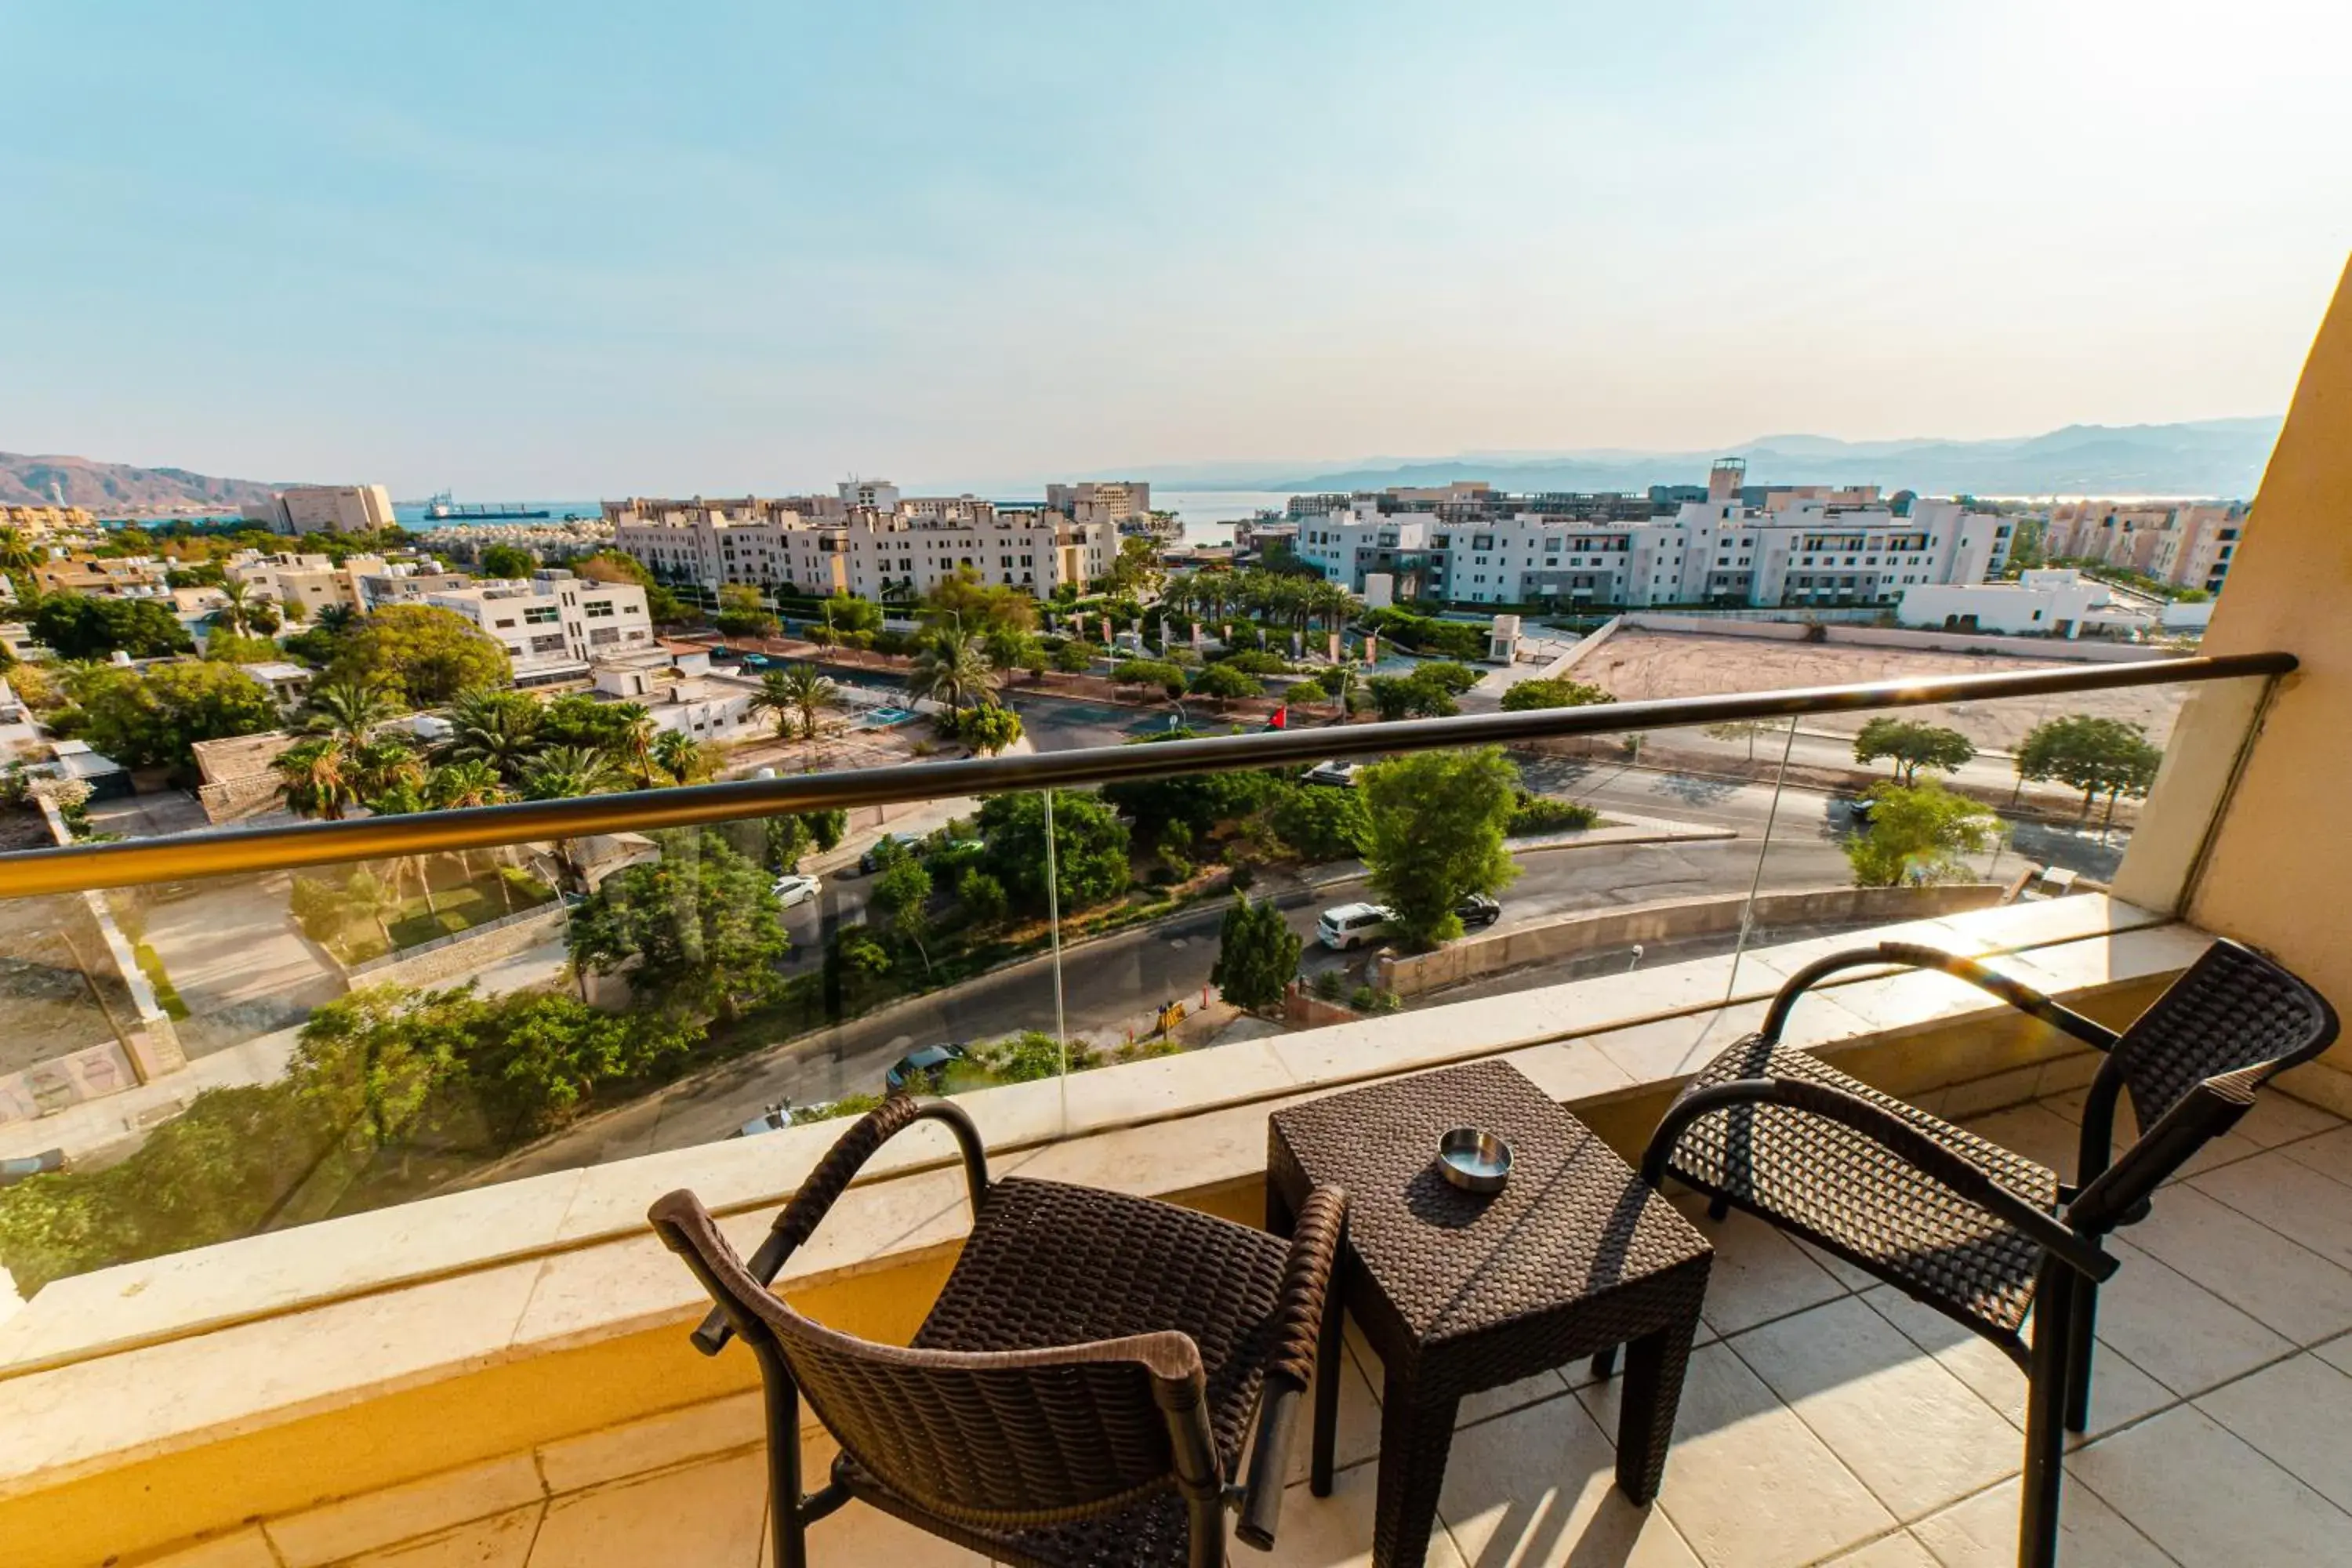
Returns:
point(1982, 1235)
point(1079, 1393)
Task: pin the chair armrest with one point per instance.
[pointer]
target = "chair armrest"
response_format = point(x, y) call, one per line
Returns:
point(1910, 955)
point(1300, 1323)
point(1898, 1137)
point(831, 1177)
point(2118, 1195)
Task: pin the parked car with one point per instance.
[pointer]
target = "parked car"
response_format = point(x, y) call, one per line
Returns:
point(923, 1069)
point(796, 888)
point(1858, 810)
point(1352, 925)
point(13, 1170)
point(871, 861)
point(757, 661)
point(776, 1119)
point(1477, 910)
point(1341, 775)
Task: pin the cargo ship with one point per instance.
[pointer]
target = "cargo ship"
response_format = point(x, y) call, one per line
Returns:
point(441, 509)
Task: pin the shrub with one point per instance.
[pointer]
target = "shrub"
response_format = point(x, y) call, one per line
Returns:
point(1543, 814)
point(1372, 999)
point(1328, 986)
point(1531, 694)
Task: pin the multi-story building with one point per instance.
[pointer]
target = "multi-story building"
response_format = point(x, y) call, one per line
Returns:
point(39, 521)
point(2188, 544)
point(406, 582)
point(552, 624)
point(324, 509)
point(1124, 504)
point(1478, 546)
point(873, 552)
point(312, 580)
point(110, 576)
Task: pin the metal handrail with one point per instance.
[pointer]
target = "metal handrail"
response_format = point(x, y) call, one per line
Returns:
point(84, 867)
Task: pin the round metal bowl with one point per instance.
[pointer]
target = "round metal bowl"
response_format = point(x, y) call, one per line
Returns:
point(1474, 1161)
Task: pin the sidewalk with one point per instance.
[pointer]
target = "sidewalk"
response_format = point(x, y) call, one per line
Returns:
point(1623, 828)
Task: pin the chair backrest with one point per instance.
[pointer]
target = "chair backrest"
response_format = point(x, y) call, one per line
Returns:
point(2191, 1063)
point(1008, 1439)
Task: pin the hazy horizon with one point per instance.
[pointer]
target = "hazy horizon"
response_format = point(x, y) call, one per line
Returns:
point(437, 247)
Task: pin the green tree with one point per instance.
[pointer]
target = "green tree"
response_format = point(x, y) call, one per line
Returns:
point(225, 646)
point(981, 896)
point(576, 718)
point(797, 696)
point(1322, 825)
point(743, 614)
point(1436, 826)
point(78, 625)
point(1223, 683)
point(702, 922)
point(1918, 834)
point(1736, 729)
point(567, 772)
point(1257, 954)
point(427, 654)
point(149, 718)
point(783, 841)
point(1454, 676)
point(988, 731)
point(848, 614)
point(235, 613)
point(500, 728)
point(964, 605)
point(508, 560)
point(903, 891)
point(1414, 696)
point(2097, 756)
point(348, 708)
point(1552, 693)
point(1911, 746)
point(953, 670)
point(1071, 655)
point(1169, 677)
point(317, 778)
point(1090, 848)
point(684, 759)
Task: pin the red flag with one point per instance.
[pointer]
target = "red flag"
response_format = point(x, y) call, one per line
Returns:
point(1281, 720)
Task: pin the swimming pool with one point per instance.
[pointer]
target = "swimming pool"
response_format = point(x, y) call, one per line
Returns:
point(883, 718)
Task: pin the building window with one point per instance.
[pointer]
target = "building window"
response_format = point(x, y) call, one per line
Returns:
point(600, 609)
point(542, 615)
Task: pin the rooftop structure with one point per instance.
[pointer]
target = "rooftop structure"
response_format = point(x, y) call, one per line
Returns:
point(114, 576)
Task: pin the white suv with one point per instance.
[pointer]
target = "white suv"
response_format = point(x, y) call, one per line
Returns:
point(1352, 925)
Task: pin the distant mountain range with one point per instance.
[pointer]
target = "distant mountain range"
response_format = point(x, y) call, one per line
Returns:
point(2216, 458)
point(26, 480)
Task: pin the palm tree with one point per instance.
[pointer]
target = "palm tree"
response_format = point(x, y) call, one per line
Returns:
point(455, 786)
point(236, 607)
point(680, 755)
point(634, 724)
point(499, 728)
point(809, 693)
point(349, 708)
point(316, 777)
point(371, 899)
point(335, 619)
point(564, 773)
point(951, 668)
point(17, 553)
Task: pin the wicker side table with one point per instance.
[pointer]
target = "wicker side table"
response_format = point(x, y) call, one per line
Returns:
point(1459, 1293)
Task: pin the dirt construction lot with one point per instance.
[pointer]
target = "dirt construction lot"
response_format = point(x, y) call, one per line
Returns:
point(1637, 664)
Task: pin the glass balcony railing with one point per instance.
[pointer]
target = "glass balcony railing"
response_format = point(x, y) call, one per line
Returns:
point(228, 1032)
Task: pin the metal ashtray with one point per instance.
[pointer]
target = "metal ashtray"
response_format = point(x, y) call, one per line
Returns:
point(1474, 1161)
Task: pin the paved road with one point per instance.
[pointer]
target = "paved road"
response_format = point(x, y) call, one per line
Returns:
point(1116, 983)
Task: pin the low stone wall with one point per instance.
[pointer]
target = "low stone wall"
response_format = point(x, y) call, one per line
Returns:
point(1668, 919)
point(465, 952)
point(1586, 646)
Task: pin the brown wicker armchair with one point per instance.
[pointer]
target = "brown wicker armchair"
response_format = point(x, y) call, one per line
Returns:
point(1982, 1235)
point(1080, 1392)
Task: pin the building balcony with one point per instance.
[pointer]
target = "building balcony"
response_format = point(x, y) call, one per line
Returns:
point(408, 1358)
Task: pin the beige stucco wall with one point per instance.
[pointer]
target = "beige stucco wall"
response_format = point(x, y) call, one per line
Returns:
point(2278, 873)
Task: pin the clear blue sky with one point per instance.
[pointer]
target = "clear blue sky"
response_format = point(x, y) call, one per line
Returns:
point(566, 251)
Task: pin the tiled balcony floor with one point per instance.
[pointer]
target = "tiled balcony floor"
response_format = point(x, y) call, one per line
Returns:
point(1825, 1419)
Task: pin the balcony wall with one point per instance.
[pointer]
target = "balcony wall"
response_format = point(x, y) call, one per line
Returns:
point(2275, 867)
point(354, 1383)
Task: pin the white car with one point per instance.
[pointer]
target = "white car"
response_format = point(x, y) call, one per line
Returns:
point(1352, 925)
point(797, 889)
point(1339, 774)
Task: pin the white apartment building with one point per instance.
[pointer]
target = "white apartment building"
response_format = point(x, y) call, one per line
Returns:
point(1102, 501)
point(2187, 545)
point(2057, 602)
point(554, 623)
point(873, 553)
point(1803, 551)
point(406, 583)
point(904, 556)
point(324, 509)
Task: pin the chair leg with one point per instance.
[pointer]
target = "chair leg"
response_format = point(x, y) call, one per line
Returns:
point(1719, 1210)
point(1328, 1348)
point(2045, 1432)
point(1605, 1363)
point(2080, 1325)
point(790, 1549)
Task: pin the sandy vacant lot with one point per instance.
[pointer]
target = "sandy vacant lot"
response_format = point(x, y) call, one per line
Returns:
point(1638, 664)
